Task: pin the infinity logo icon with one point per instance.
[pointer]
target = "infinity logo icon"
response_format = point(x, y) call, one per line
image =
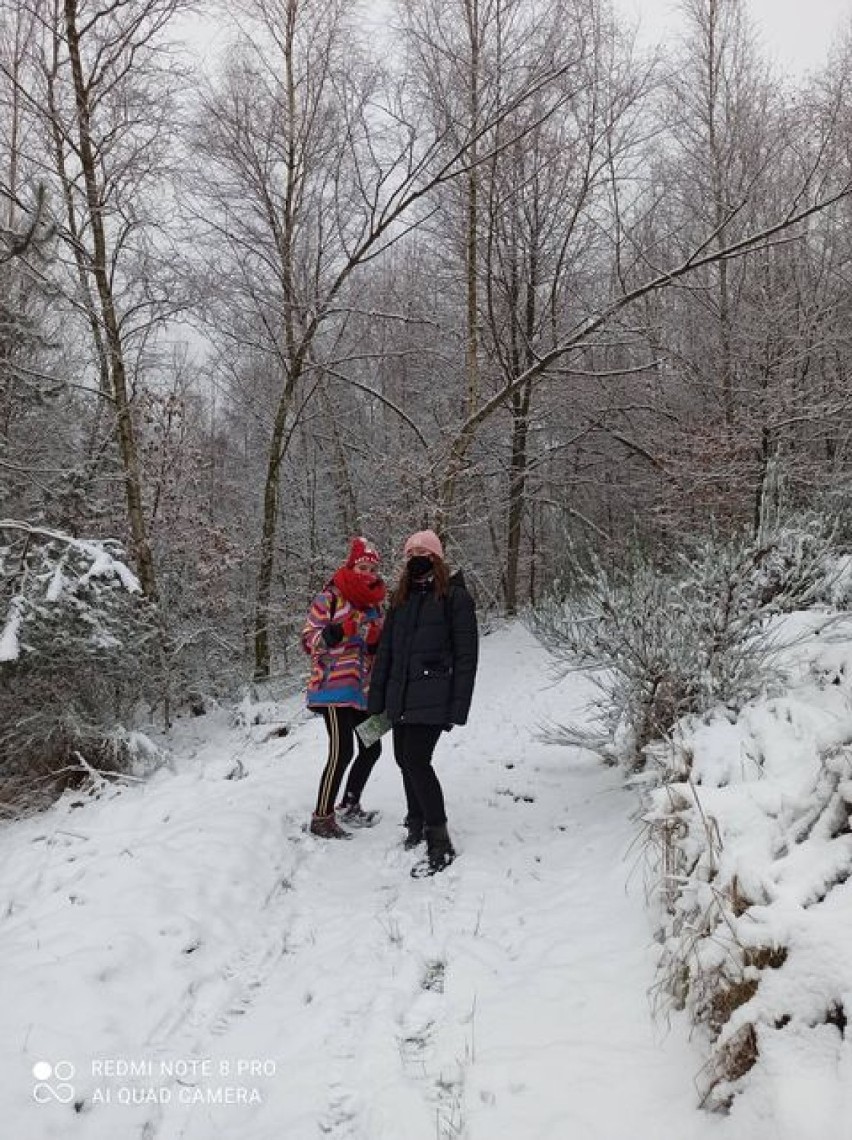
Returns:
point(62, 1072)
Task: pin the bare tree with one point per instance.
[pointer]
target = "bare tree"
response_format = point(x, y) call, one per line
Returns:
point(101, 83)
point(323, 168)
point(545, 201)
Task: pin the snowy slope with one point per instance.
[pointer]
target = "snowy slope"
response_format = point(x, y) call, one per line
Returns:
point(758, 805)
point(184, 941)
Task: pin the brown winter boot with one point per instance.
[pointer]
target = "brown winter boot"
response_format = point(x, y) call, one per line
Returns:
point(327, 827)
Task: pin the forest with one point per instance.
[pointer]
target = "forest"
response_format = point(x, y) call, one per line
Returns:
point(489, 268)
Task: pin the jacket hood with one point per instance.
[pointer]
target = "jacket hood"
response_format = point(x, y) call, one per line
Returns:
point(457, 580)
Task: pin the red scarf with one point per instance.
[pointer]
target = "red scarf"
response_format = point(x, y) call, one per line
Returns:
point(363, 591)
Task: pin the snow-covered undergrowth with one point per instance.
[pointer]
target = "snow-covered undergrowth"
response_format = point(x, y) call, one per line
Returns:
point(76, 645)
point(751, 827)
point(668, 636)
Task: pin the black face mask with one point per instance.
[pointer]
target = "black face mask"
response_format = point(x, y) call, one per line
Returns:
point(419, 565)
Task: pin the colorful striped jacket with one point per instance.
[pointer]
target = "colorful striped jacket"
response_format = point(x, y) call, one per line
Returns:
point(340, 675)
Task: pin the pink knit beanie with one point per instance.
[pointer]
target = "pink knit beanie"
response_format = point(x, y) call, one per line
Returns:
point(428, 540)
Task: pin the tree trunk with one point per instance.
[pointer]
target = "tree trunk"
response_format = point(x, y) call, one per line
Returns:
point(295, 355)
point(471, 267)
point(143, 556)
point(517, 493)
point(521, 356)
point(347, 500)
point(269, 533)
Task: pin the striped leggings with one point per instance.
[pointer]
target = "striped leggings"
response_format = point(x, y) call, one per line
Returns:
point(340, 724)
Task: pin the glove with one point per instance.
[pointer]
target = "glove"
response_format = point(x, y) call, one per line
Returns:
point(350, 626)
point(333, 634)
point(374, 632)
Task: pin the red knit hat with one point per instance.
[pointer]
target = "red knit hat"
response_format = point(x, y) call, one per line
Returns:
point(361, 551)
point(427, 539)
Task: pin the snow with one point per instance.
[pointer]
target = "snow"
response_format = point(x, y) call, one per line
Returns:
point(105, 566)
point(56, 585)
point(183, 940)
point(9, 643)
point(101, 565)
point(763, 845)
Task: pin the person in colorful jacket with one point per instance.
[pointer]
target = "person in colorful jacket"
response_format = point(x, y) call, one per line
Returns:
point(341, 636)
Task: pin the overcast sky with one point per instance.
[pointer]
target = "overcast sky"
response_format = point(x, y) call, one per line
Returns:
point(798, 33)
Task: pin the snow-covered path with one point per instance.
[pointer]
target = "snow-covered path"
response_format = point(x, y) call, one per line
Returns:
point(191, 925)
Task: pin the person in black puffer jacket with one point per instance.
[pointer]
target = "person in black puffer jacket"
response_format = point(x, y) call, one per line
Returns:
point(423, 681)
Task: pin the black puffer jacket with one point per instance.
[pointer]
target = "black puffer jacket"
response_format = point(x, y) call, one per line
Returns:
point(426, 663)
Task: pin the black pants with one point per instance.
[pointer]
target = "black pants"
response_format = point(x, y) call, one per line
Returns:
point(340, 724)
point(413, 745)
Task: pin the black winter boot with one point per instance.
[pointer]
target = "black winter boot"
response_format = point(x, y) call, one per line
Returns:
point(414, 834)
point(439, 853)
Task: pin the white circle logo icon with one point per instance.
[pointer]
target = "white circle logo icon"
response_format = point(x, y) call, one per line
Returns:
point(59, 1090)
